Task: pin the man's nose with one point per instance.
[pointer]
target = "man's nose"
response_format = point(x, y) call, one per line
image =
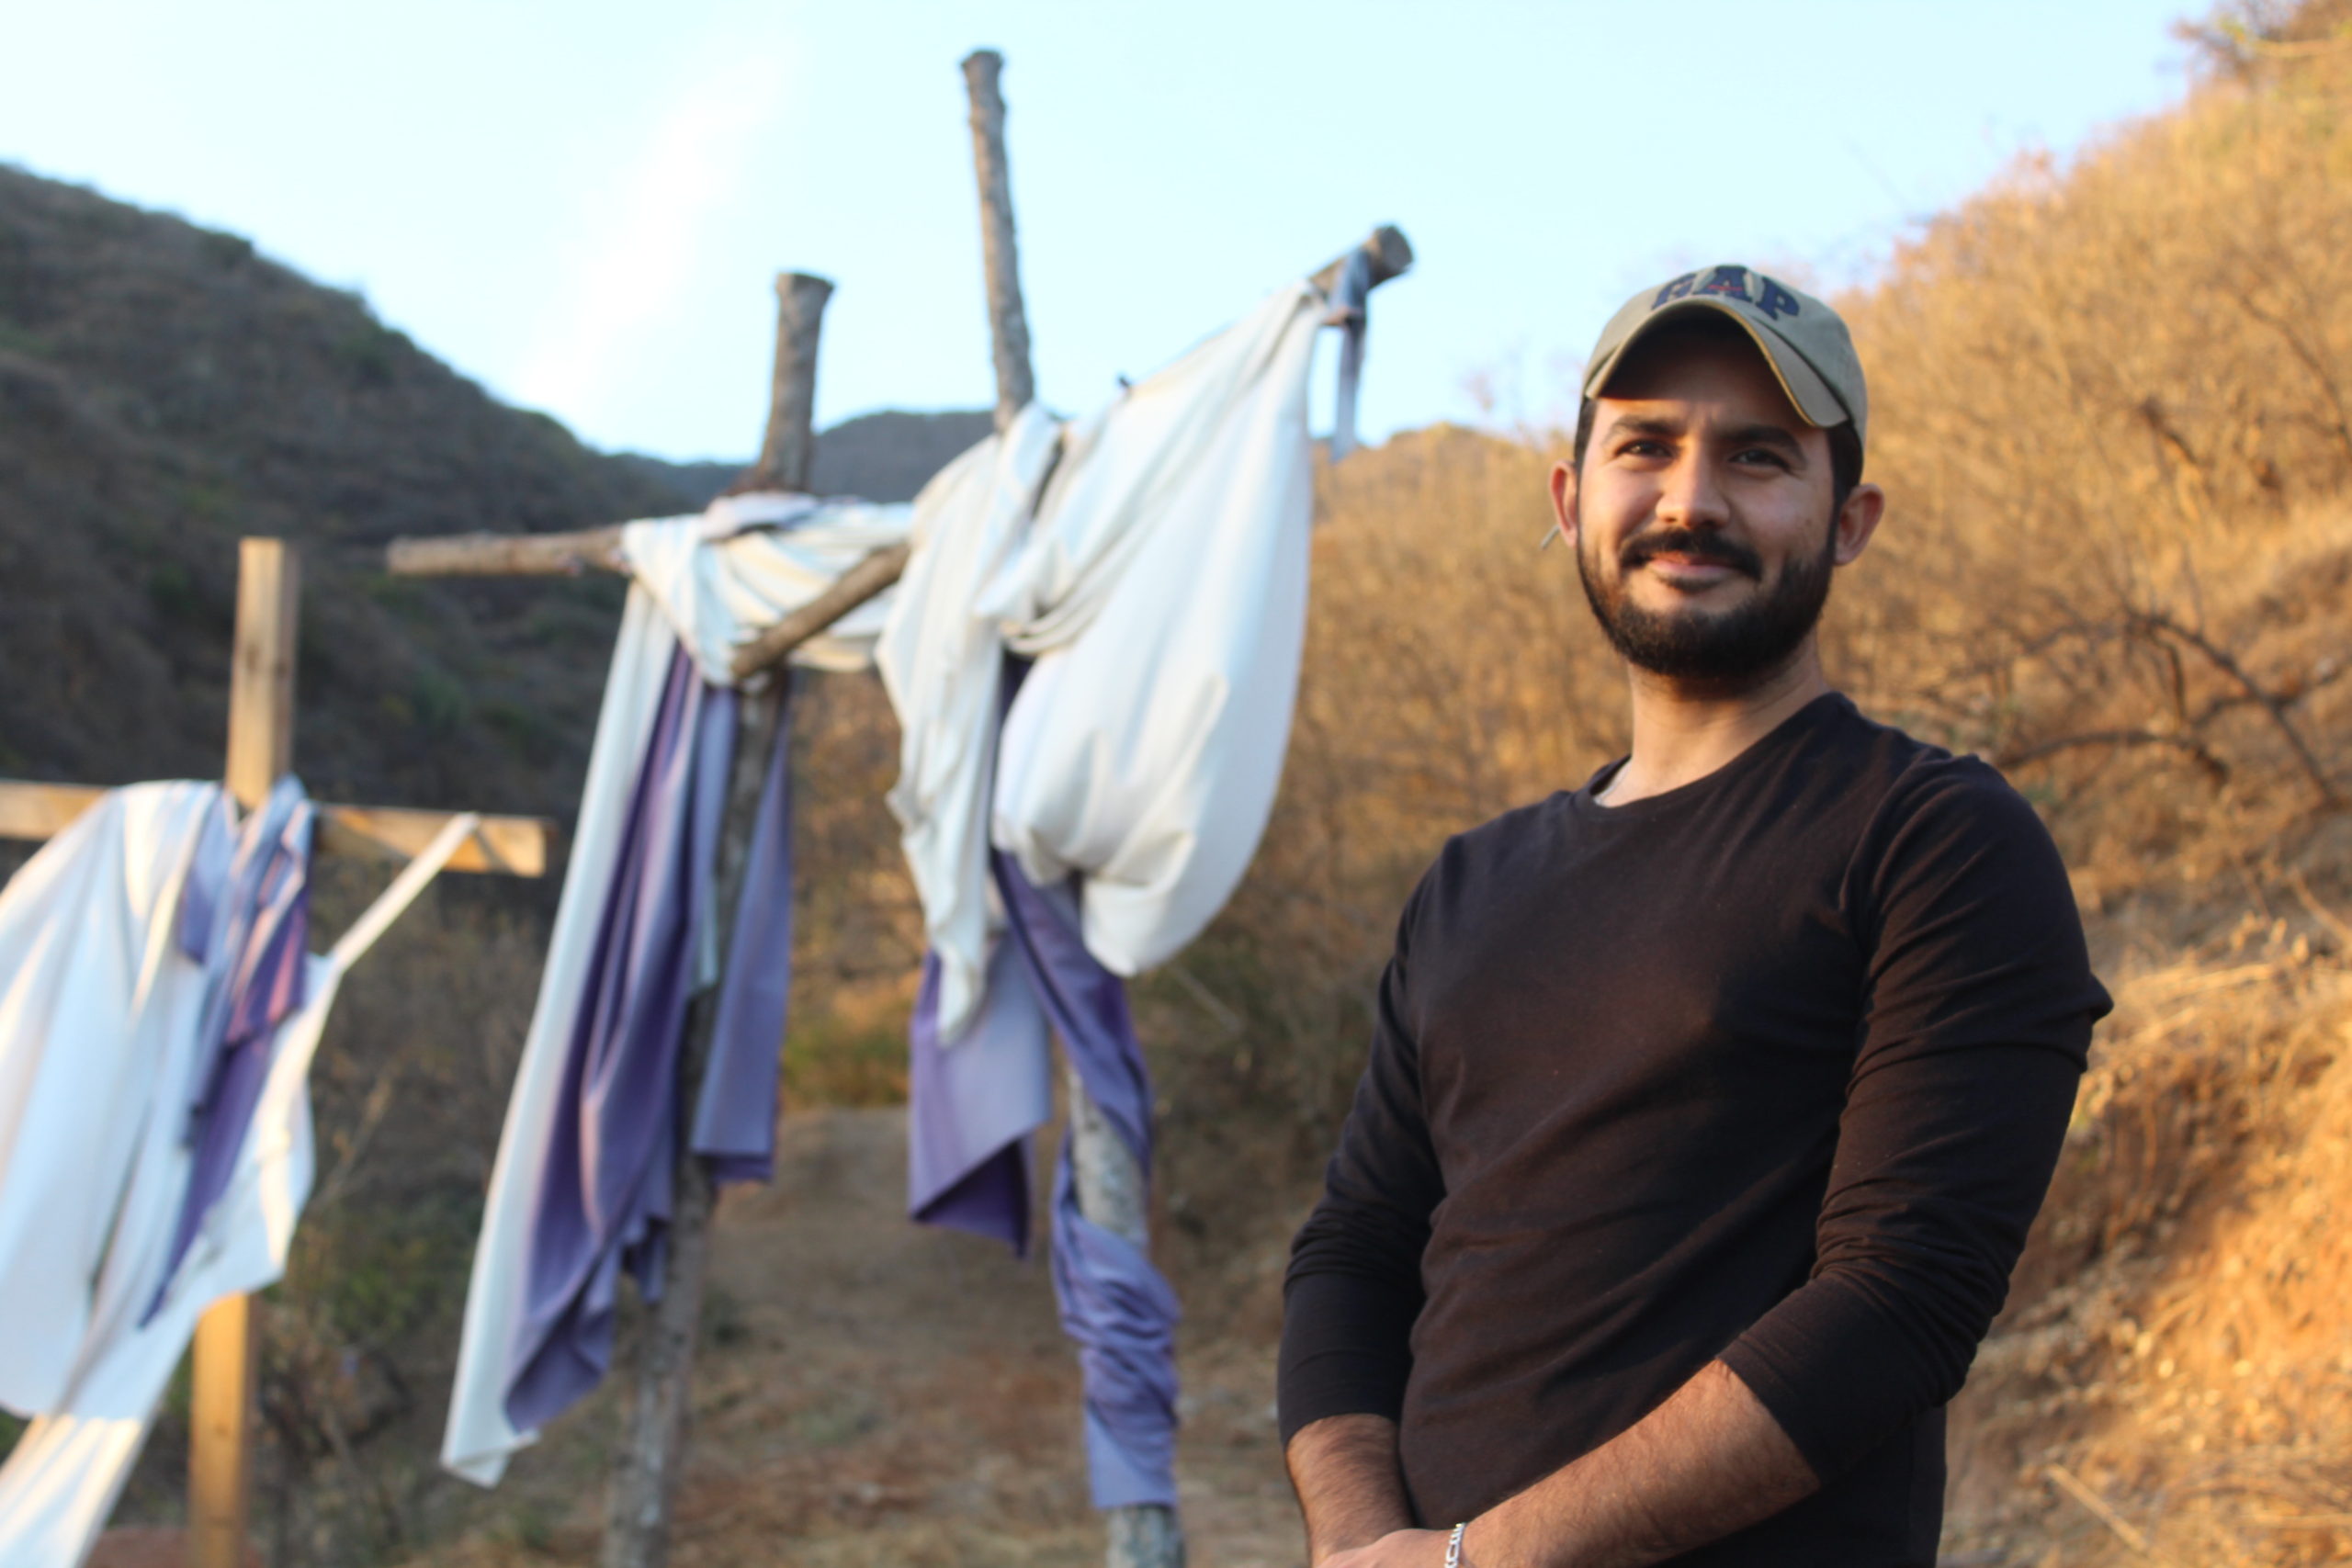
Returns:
point(1689, 496)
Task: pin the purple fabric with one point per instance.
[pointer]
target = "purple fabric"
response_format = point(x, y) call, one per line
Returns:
point(1121, 1313)
point(250, 927)
point(1086, 1003)
point(1350, 300)
point(603, 1201)
point(972, 1106)
point(1118, 1308)
point(734, 1127)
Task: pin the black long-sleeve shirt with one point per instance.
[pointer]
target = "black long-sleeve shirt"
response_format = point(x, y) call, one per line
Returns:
point(1772, 1067)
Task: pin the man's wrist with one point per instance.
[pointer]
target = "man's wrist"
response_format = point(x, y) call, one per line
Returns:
point(1491, 1540)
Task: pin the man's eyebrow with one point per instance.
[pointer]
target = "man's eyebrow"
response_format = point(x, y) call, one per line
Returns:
point(1780, 439)
point(1645, 424)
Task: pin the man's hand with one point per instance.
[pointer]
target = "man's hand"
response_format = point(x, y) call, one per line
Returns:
point(1403, 1549)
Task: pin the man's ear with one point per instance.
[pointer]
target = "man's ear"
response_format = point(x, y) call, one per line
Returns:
point(1857, 521)
point(1564, 500)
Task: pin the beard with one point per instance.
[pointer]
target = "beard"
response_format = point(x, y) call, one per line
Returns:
point(1731, 652)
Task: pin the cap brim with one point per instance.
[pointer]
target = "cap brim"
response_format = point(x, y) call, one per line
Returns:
point(1808, 391)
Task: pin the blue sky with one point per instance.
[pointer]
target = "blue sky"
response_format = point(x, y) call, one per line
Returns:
point(580, 205)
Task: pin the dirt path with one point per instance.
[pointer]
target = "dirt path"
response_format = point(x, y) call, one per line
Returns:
point(873, 1392)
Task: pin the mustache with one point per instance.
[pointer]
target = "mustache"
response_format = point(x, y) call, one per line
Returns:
point(1708, 547)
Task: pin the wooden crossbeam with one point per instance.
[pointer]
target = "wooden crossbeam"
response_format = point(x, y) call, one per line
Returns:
point(502, 846)
point(508, 555)
point(556, 554)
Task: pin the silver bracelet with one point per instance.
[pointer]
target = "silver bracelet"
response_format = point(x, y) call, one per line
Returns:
point(1454, 1546)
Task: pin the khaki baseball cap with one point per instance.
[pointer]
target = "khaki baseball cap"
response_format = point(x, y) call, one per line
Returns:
point(1802, 338)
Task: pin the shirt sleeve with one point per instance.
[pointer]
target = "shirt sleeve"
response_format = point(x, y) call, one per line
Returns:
point(1977, 1022)
point(1354, 1290)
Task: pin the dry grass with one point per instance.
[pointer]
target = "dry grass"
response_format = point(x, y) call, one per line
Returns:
point(2178, 1343)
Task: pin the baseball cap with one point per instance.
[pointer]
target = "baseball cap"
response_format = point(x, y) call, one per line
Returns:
point(1802, 338)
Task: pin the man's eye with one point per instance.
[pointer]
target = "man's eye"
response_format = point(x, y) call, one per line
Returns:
point(1642, 448)
point(1761, 454)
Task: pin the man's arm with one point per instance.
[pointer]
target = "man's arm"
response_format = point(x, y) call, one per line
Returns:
point(1344, 1470)
point(1706, 1463)
point(1353, 1291)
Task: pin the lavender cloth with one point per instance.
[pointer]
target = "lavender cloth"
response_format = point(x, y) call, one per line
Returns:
point(734, 1129)
point(971, 1105)
point(246, 915)
point(1119, 1309)
point(602, 1203)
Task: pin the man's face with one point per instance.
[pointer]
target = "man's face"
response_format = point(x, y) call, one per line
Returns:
point(1702, 513)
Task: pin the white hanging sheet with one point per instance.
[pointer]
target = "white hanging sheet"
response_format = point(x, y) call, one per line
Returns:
point(1161, 589)
point(943, 662)
point(99, 1041)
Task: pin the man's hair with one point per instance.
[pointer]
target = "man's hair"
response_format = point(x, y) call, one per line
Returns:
point(1844, 446)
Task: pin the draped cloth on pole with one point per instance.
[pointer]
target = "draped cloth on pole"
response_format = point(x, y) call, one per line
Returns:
point(580, 1193)
point(251, 939)
point(106, 1041)
point(1152, 561)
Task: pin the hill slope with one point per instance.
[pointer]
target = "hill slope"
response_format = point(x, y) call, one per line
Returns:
point(164, 389)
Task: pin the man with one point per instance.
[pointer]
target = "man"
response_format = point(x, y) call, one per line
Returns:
point(1708, 1104)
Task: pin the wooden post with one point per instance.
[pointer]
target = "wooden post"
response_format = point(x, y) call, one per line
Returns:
point(789, 449)
point(651, 1453)
point(1110, 1188)
point(1000, 255)
point(222, 1418)
point(1112, 1193)
point(261, 676)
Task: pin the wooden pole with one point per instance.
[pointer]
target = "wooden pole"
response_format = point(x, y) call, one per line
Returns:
point(870, 576)
point(223, 1417)
point(788, 450)
point(652, 1454)
point(506, 555)
point(999, 255)
point(261, 675)
point(505, 846)
point(1111, 1187)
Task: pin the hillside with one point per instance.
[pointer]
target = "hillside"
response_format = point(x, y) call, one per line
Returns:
point(164, 389)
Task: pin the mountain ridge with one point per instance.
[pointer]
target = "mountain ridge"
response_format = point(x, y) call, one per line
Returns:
point(166, 388)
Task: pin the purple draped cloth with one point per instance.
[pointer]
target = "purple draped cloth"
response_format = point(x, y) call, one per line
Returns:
point(1117, 1308)
point(602, 1203)
point(972, 1107)
point(245, 914)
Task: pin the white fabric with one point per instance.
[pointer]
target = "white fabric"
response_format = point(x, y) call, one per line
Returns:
point(478, 1438)
point(726, 574)
point(943, 662)
point(1161, 588)
point(99, 1044)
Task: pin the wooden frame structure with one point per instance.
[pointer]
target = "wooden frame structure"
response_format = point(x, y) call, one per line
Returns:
point(1111, 1191)
point(223, 1420)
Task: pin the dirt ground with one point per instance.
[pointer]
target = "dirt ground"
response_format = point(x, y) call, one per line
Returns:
point(870, 1392)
